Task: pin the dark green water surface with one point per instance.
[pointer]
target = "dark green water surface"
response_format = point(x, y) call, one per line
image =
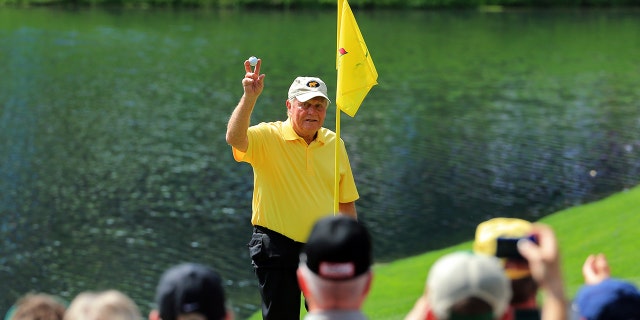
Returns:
point(114, 164)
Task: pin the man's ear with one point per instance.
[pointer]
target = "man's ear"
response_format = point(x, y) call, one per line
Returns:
point(369, 281)
point(301, 282)
point(154, 315)
point(289, 105)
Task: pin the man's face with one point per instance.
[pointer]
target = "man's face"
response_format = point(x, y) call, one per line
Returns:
point(307, 117)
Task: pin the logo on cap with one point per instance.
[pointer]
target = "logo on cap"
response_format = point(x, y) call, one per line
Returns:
point(313, 84)
point(337, 270)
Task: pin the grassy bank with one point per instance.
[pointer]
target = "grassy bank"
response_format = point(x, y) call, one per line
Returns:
point(296, 4)
point(608, 226)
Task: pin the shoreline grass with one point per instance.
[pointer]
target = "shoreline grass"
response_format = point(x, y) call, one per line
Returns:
point(489, 6)
point(608, 226)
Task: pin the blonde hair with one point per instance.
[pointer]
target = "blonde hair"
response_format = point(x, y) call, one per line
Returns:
point(106, 305)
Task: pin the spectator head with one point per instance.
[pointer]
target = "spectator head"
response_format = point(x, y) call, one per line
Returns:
point(114, 305)
point(498, 237)
point(611, 299)
point(190, 291)
point(335, 264)
point(463, 285)
point(37, 306)
point(80, 306)
point(105, 305)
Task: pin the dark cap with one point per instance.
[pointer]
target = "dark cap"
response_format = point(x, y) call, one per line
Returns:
point(610, 299)
point(190, 288)
point(338, 248)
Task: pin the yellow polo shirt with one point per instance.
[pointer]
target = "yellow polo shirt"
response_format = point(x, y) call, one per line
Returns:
point(293, 182)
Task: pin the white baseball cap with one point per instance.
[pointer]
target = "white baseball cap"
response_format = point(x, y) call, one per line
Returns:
point(305, 88)
point(460, 275)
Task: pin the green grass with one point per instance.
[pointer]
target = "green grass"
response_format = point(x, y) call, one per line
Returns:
point(610, 226)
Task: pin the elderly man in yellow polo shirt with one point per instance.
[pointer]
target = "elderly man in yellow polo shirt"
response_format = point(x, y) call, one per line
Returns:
point(293, 166)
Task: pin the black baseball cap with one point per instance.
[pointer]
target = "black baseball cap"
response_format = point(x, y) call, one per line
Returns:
point(190, 288)
point(338, 248)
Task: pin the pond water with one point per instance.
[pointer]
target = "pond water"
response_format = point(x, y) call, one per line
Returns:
point(115, 165)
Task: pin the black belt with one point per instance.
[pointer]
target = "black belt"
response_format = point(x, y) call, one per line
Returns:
point(261, 229)
point(271, 233)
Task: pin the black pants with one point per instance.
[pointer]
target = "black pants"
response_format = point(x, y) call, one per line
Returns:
point(275, 260)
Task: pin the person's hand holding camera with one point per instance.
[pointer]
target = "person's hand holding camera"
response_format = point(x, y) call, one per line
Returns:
point(544, 263)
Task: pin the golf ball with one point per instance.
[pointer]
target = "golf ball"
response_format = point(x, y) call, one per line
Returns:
point(253, 61)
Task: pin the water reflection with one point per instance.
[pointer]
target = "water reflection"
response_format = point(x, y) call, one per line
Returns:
point(116, 166)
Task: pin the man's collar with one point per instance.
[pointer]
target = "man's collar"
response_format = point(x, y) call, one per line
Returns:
point(290, 134)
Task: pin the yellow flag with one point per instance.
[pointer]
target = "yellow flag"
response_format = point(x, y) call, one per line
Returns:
point(356, 72)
